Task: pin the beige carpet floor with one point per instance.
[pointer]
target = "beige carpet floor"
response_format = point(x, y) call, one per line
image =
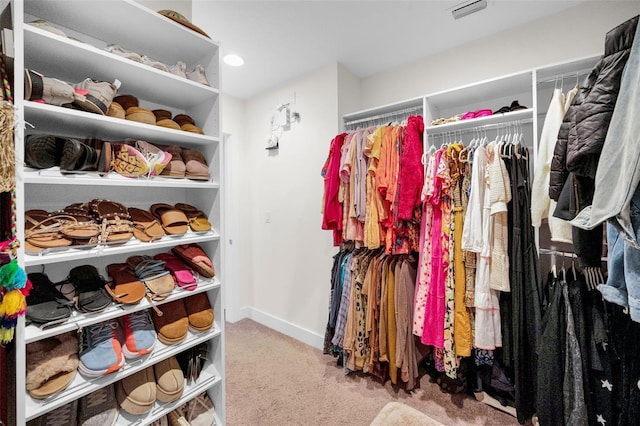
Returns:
point(272, 379)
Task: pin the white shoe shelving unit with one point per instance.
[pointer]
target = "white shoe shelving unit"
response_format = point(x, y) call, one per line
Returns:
point(90, 25)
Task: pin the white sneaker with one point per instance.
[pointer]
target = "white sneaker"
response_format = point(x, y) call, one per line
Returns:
point(179, 69)
point(198, 75)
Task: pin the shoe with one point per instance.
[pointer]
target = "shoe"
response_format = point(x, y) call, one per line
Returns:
point(51, 364)
point(199, 411)
point(157, 159)
point(176, 418)
point(126, 160)
point(198, 75)
point(98, 95)
point(126, 101)
point(162, 421)
point(141, 115)
point(45, 303)
point(192, 361)
point(176, 167)
point(42, 151)
point(46, 89)
point(115, 110)
point(90, 294)
point(195, 257)
point(100, 353)
point(45, 25)
point(515, 106)
point(78, 156)
point(199, 312)
point(181, 274)
point(154, 64)
point(168, 123)
point(139, 335)
point(169, 380)
point(161, 114)
point(98, 408)
point(179, 69)
point(180, 19)
point(62, 416)
point(172, 327)
point(195, 164)
point(136, 394)
point(146, 228)
point(117, 50)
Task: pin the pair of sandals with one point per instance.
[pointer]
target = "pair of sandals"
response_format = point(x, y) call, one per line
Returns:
point(139, 277)
point(178, 219)
point(49, 303)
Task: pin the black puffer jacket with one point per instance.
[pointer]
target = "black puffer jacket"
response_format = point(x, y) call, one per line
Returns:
point(586, 122)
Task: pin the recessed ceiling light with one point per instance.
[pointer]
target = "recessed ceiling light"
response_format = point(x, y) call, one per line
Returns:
point(233, 60)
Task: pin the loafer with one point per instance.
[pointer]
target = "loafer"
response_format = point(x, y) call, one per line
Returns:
point(173, 326)
point(169, 380)
point(136, 394)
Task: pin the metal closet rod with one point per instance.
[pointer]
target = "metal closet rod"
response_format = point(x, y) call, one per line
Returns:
point(566, 75)
point(480, 128)
point(384, 115)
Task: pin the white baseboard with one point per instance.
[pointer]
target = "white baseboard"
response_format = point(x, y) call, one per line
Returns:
point(284, 327)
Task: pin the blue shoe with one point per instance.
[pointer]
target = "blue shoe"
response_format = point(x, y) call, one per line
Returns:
point(139, 334)
point(101, 352)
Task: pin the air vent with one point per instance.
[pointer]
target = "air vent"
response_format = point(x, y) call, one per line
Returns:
point(467, 8)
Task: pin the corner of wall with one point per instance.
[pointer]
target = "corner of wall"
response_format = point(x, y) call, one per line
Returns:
point(349, 92)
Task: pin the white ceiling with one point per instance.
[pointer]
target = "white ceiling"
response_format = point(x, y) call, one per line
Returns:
point(281, 40)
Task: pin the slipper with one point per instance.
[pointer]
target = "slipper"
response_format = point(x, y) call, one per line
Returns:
point(182, 275)
point(195, 164)
point(198, 221)
point(176, 167)
point(195, 257)
point(169, 379)
point(51, 364)
point(199, 312)
point(45, 304)
point(145, 227)
point(154, 275)
point(174, 221)
point(124, 287)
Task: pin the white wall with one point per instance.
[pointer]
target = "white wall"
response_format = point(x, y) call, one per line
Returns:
point(349, 92)
point(237, 230)
point(290, 257)
point(574, 33)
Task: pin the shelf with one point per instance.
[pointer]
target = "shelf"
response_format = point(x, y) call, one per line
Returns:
point(131, 246)
point(53, 176)
point(490, 120)
point(50, 119)
point(482, 92)
point(75, 61)
point(78, 319)
point(129, 25)
point(81, 386)
point(209, 378)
